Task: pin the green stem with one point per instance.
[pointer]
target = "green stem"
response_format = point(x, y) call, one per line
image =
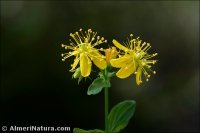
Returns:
point(106, 108)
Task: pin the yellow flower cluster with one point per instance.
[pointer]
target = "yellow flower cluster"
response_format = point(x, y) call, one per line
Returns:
point(133, 57)
point(83, 48)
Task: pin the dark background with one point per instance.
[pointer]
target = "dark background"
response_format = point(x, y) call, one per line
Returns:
point(36, 87)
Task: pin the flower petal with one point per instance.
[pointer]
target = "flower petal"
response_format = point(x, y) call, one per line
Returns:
point(100, 63)
point(76, 61)
point(85, 65)
point(138, 76)
point(120, 62)
point(98, 59)
point(126, 70)
point(118, 45)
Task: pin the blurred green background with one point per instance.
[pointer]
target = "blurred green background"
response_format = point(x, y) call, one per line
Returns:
point(36, 87)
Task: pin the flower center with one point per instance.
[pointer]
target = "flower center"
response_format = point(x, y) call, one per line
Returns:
point(84, 47)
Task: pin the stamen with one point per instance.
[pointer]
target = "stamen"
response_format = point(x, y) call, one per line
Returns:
point(71, 35)
point(89, 30)
point(75, 38)
point(143, 64)
point(155, 54)
point(62, 45)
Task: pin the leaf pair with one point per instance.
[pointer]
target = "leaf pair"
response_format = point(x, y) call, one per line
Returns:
point(103, 81)
point(118, 118)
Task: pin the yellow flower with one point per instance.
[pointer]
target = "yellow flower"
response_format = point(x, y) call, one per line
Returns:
point(110, 53)
point(82, 47)
point(134, 59)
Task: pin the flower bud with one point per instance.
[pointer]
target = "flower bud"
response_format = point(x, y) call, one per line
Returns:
point(110, 53)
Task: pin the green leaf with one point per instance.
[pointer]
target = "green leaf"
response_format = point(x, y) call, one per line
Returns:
point(78, 130)
point(97, 85)
point(120, 115)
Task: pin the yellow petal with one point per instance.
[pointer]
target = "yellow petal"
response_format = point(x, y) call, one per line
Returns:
point(98, 59)
point(76, 61)
point(100, 63)
point(74, 52)
point(118, 45)
point(120, 62)
point(138, 76)
point(126, 70)
point(85, 65)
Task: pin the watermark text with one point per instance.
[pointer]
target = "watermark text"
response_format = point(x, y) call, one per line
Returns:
point(34, 128)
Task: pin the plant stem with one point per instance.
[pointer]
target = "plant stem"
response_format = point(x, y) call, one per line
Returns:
point(106, 108)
